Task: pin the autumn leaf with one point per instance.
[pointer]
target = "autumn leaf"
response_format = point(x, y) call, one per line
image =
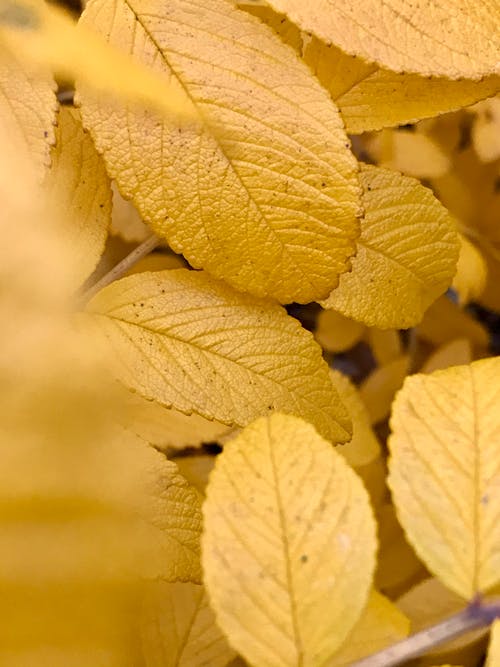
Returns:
point(184, 339)
point(493, 656)
point(41, 34)
point(379, 388)
point(81, 191)
point(178, 628)
point(28, 106)
point(263, 190)
point(472, 272)
point(445, 321)
point(407, 253)
point(444, 473)
point(447, 39)
point(336, 333)
point(288, 537)
point(455, 353)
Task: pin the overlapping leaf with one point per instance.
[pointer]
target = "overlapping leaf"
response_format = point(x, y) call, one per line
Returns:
point(455, 40)
point(444, 472)
point(28, 106)
point(407, 253)
point(289, 537)
point(178, 628)
point(81, 191)
point(186, 340)
point(263, 190)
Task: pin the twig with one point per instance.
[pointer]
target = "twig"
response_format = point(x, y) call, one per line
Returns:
point(476, 615)
point(121, 268)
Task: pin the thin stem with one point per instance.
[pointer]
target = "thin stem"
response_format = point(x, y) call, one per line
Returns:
point(122, 267)
point(474, 616)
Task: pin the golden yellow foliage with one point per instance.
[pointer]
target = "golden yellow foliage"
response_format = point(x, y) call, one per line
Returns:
point(261, 191)
point(455, 353)
point(378, 389)
point(493, 658)
point(81, 191)
point(289, 536)
point(184, 339)
point(444, 463)
point(407, 253)
point(431, 38)
point(336, 333)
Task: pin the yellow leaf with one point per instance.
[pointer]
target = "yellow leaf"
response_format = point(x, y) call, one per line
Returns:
point(189, 341)
point(397, 565)
point(444, 321)
point(470, 278)
point(370, 98)
point(493, 657)
point(178, 628)
point(262, 191)
point(416, 154)
point(455, 353)
point(378, 390)
point(166, 427)
point(336, 333)
point(158, 261)
point(289, 537)
point(381, 624)
point(42, 34)
point(428, 603)
point(28, 106)
point(486, 130)
point(363, 448)
point(385, 344)
point(454, 40)
point(126, 221)
point(407, 253)
point(81, 190)
point(444, 472)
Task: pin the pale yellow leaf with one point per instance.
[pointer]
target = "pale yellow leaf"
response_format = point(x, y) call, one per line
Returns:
point(370, 98)
point(385, 344)
point(81, 190)
point(454, 40)
point(374, 475)
point(407, 253)
point(486, 130)
point(444, 472)
point(189, 341)
point(493, 657)
point(470, 279)
point(289, 537)
point(336, 333)
point(416, 154)
point(166, 427)
point(381, 624)
point(363, 448)
point(455, 353)
point(178, 628)
point(28, 107)
point(42, 34)
point(429, 602)
point(126, 221)
point(263, 190)
point(445, 321)
point(157, 261)
point(378, 390)
point(397, 565)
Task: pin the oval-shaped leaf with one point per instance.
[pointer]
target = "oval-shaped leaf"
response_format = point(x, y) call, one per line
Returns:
point(189, 341)
point(407, 253)
point(289, 536)
point(453, 39)
point(445, 472)
point(262, 191)
point(81, 190)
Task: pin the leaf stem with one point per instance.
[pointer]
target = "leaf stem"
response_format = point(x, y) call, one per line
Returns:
point(122, 267)
point(476, 615)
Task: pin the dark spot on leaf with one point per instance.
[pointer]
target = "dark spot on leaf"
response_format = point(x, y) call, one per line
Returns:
point(303, 558)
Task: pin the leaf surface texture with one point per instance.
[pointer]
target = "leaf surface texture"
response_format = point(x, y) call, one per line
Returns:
point(262, 190)
point(289, 536)
point(407, 253)
point(189, 341)
point(445, 472)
